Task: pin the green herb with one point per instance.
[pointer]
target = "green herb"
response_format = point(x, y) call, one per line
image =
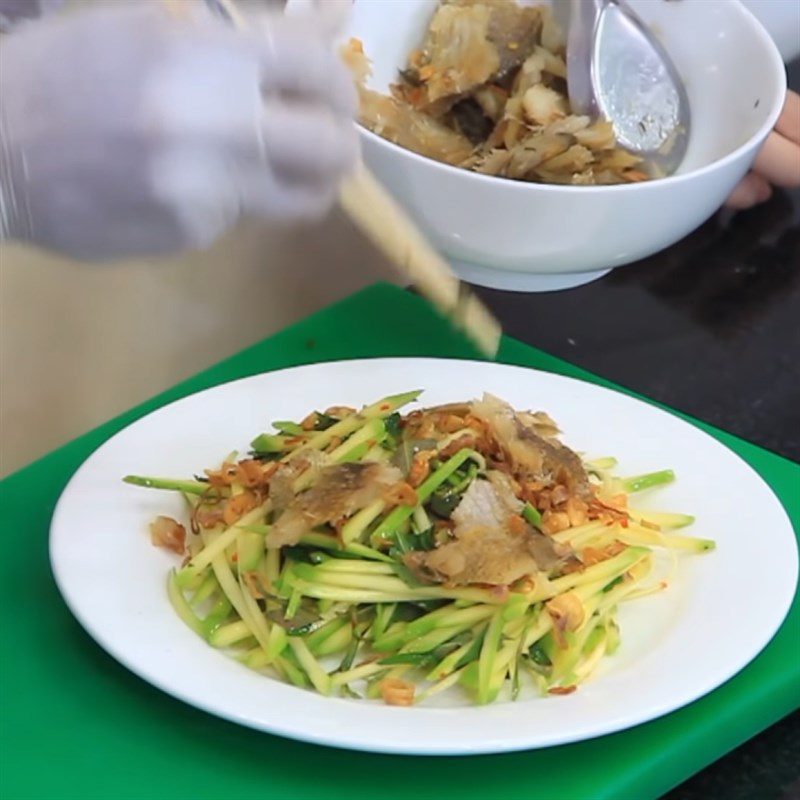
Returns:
point(443, 503)
point(324, 421)
point(404, 456)
point(539, 656)
point(473, 652)
point(416, 659)
point(613, 583)
point(638, 483)
point(394, 429)
point(305, 618)
point(288, 428)
point(269, 443)
point(531, 515)
point(170, 484)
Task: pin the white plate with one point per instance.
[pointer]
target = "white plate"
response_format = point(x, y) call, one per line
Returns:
point(719, 612)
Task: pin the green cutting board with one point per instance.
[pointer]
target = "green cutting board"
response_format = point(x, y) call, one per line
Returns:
point(75, 724)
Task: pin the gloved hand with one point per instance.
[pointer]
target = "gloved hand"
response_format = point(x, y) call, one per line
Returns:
point(332, 14)
point(127, 131)
point(14, 11)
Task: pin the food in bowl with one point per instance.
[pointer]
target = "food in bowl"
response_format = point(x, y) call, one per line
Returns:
point(519, 235)
point(397, 556)
point(487, 91)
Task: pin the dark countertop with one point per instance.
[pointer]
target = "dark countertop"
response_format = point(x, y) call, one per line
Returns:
point(710, 327)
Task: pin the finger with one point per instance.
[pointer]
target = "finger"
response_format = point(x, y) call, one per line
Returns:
point(752, 190)
point(788, 124)
point(206, 90)
point(779, 161)
point(307, 143)
point(265, 197)
point(296, 59)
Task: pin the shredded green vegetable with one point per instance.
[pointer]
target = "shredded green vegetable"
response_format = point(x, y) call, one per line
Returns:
point(354, 605)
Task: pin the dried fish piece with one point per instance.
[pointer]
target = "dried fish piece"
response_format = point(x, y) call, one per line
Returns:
point(530, 454)
point(531, 72)
point(492, 544)
point(534, 151)
point(355, 59)
point(495, 162)
point(339, 491)
point(469, 44)
point(492, 100)
point(552, 62)
point(617, 161)
point(552, 37)
point(486, 91)
point(514, 30)
point(470, 121)
point(398, 122)
point(458, 55)
point(281, 492)
point(540, 422)
point(599, 136)
point(543, 106)
point(412, 129)
point(573, 160)
point(572, 125)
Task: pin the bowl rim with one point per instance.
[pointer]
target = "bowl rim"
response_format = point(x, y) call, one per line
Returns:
point(779, 68)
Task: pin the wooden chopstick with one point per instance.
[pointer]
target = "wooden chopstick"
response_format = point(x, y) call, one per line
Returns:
point(389, 227)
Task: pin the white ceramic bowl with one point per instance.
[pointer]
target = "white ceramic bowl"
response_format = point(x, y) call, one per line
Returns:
point(527, 236)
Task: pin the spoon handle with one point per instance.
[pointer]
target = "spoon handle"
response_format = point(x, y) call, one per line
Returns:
point(584, 18)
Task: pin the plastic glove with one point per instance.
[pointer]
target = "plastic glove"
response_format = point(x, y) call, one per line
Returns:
point(332, 14)
point(778, 162)
point(127, 131)
point(14, 11)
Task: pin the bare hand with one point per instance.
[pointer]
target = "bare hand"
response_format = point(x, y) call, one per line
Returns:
point(778, 163)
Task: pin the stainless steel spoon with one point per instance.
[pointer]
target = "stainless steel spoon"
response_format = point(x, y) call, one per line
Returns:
point(617, 69)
